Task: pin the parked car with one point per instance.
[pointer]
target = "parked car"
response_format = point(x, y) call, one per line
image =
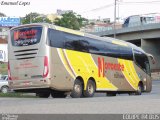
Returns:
point(4, 86)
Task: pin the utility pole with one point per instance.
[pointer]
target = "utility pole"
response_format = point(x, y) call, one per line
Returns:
point(30, 17)
point(115, 5)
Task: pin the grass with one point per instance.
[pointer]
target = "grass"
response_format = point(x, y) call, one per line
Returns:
point(17, 95)
point(3, 68)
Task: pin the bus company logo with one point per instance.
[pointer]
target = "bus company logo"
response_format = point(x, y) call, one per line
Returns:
point(105, 66)
point(16, 35)
point(24, 35)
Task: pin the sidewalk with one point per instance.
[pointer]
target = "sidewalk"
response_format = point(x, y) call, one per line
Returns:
point(156, 76)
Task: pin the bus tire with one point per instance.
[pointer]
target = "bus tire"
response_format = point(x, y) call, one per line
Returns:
point(58, 94)
point(43, 95)
point(109, 94)
point(77, 89)
point(140, 89)
point(90, 90)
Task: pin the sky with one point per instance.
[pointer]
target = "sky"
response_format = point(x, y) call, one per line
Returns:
point(91, 9)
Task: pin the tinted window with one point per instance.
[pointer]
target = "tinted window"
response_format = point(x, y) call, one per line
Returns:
point(112, 49)
point(141, 59)
point(94, 46)
point(66, 40)
point(75, 42)
point(103, 48)
point(26, 36)
point(86, 44)
point(55, 38)
point(126, 53)
point(148, 68)
point(4, 78)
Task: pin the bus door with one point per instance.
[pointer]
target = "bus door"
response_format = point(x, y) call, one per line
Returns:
point(142, 61)
point(148, 77)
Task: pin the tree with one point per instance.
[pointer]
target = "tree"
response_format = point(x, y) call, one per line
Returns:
point(70, 20)
point(34, 18)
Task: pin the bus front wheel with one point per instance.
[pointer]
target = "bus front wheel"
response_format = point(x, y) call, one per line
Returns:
point(77, 89)
point(140, 89)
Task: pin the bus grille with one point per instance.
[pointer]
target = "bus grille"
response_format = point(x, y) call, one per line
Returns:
point(25, 54)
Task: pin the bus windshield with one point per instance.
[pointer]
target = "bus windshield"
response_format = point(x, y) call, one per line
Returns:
point(142, 61)
point(26, 36)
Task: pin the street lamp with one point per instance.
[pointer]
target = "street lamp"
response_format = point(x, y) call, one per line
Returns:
point(115, 12)
point(115, 4)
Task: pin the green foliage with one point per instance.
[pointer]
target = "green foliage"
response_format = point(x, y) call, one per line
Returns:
point(70, 20)
point(3, 68)
point(34, 18)
point(17, 95)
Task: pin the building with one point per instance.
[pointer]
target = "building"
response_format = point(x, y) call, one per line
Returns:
point(52, 17)
point(58, 14)
point(5, 24)
point(61, 12)
point(98, 25)
point(3, 50)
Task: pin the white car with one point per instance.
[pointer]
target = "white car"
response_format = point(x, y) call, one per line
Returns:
point(4, 86)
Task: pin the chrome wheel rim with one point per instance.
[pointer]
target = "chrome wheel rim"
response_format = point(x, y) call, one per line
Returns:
point(4, 90)
point(77, 88)
point(90, 89)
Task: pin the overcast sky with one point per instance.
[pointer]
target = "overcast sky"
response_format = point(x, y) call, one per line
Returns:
point(87, 8)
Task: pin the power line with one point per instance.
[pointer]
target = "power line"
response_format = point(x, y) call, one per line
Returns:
point(136, 2)
point(121, 3)
point(103, 7)
point(99, 8)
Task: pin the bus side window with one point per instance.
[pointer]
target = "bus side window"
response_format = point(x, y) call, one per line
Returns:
point(84, 45)
point(75, 42)
point(126, 53)
point(55, 38)
point(94, 46)
point(112, 50)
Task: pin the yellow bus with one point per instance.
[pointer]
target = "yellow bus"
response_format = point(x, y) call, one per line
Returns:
point(50, 60)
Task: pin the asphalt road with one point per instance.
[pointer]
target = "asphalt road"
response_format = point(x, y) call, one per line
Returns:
point(100, 104)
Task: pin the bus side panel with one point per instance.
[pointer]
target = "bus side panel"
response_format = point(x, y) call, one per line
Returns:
point(117, 71)
point(87, 65)
point(61, 78)
point(73, 64)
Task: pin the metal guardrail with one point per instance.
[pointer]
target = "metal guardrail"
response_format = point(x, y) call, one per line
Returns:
point(133, 24)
